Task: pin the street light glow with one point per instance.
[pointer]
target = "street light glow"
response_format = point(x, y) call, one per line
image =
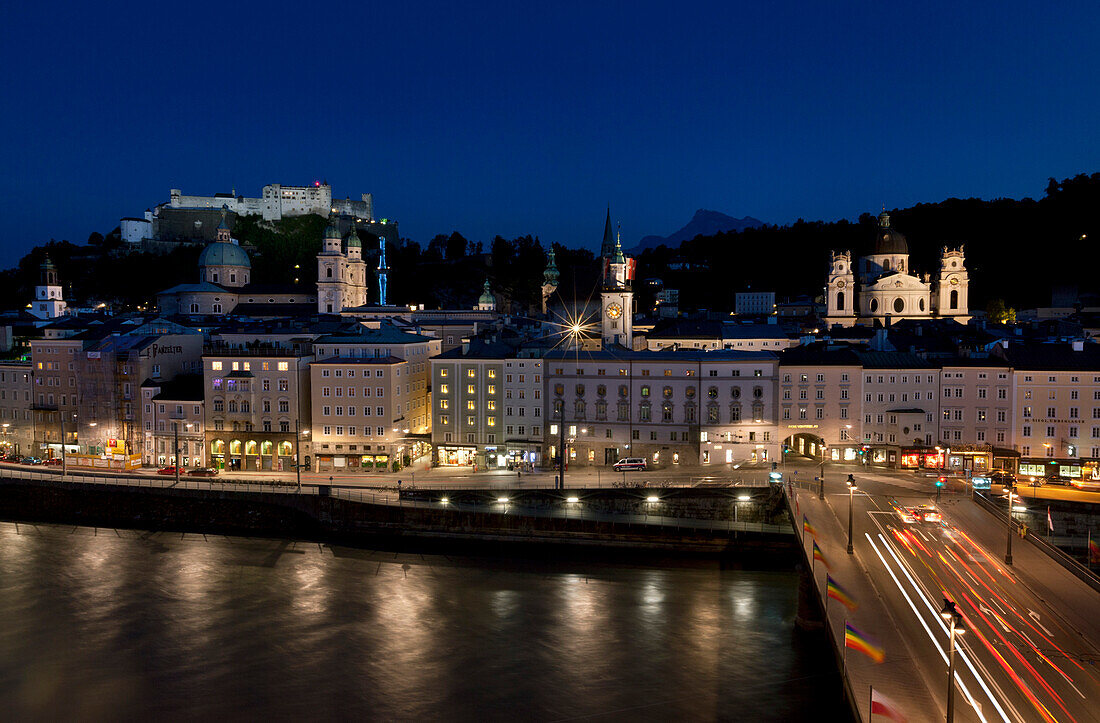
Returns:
point(744, 498)
point(653, 498)
point(502, 499)
point(572, 499)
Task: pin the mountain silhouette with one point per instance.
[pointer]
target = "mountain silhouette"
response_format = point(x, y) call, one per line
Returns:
point(703, 223)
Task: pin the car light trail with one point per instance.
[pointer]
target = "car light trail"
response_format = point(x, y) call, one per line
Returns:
point(935, 616)
point(932, 637)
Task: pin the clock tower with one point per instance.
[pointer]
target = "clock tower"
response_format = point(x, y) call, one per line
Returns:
point(617, 298)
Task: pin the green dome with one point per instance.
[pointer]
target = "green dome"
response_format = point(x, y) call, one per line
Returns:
point(486, 295)
point(223, 254)
point(332, 231)
point(353, 239)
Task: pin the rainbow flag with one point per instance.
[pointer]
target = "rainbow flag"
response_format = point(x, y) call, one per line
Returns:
point(818, 555)
point(1094, 550)
point(836, 592)
point(856, 640)
point(806, 526)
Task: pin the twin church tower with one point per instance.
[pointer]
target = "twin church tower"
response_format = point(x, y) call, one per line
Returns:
point(616, 294)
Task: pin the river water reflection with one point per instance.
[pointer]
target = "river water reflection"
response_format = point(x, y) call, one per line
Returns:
point(108, 624)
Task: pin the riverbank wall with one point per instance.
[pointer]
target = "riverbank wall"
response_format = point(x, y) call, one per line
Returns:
point(617, 518)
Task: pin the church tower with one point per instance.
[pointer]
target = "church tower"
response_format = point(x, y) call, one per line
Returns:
point(486, 302)
point(953, 286)
point(331, 284)
point(840, 294)
point(356, 271)
point(48, 301)
point(549, 278)
point(617, 298)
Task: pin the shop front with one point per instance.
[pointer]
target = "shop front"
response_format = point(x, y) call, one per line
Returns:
point(456, 456)
point(921, 458)
point(970, 457)
point(1072, 469)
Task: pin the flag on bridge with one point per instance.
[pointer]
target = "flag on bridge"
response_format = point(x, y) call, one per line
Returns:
point(862, 642)
point(819, 556)
point(881, 705)
point(836, 592)
point(1050, 523)
point(806, 526)
point(1094, 549)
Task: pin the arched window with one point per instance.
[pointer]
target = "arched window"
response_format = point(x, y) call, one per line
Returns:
point(874, 305)
point(194, 308)
point(954, 298)
point(266, 447)
point(920, 304)
point(666, 412)
point(840, 301)
point(251, 447)
point(644, 412)
point(886, 265)
point(217, 446)
point(899, 305)
point(285, 449)
point(735, 412)
point(689, 412)
point(235, 446)
point(757, 412)
point(712, 413)
point(328, 272)
point(578, 409)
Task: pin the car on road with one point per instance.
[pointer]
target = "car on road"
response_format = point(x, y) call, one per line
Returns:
point(56, 461)
point(1000, 477)
point(30, 460)
point(907, 516)
point(928, 513)
point(1057, 479)
point(1086, 484)
point(204, 472)
point(629, 463)
point(170, 470)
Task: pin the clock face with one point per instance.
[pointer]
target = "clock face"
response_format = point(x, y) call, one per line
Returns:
point(614, 311)
point(954, 282)
point(840, 284)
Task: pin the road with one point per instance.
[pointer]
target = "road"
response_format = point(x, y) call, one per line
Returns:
point(1022, 657)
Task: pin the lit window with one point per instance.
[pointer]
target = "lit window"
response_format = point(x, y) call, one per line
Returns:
point(216, 366)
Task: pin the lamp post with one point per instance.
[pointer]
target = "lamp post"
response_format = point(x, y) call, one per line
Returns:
point(821, 479)
point(561, 445)
point(298, 432)
point(64, 458)
point(851, 488)
point(1008, 523)
point(176, 449)
point(955, 619)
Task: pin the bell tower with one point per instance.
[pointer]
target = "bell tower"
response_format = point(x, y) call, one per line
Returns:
point(48, 301)
point(840, 294)
point(953, 286)
point(331, 286)
point(617, 298)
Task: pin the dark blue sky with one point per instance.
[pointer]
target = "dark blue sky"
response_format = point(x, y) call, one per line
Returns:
point(520, 117)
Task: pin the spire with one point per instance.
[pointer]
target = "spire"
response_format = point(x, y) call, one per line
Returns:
point(608, 246)
point(550, 275)
point(353, 238)
point(618, 257)
point(884, 218)
point(333, 231)
point(222, 225)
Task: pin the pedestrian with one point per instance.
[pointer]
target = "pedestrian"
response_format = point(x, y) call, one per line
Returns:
point(519, 474)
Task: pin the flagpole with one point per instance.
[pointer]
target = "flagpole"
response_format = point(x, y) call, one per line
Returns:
point(870, 702)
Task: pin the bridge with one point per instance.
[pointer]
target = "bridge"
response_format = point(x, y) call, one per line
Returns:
point(1027, 646)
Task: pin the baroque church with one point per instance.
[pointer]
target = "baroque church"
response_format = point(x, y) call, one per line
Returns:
point(883, 288)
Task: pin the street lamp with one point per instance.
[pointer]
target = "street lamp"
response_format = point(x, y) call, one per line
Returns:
point(950, 614)
point(821, 486)
point(298, 432)
point(851, 488)
point(1008, 521)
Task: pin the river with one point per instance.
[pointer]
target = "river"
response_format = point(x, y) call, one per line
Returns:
point(100, 624)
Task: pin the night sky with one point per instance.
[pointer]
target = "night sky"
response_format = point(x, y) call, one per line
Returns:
point(521, 117)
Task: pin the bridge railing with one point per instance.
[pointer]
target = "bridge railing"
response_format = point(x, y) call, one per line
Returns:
point(1080, 571)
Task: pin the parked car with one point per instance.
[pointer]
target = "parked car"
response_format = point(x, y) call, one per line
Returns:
point(53, 461)
point(1058, 479)
point(1000, 477)
point(629, 463)
point(204, 472)
point(170, 470)
point(30, 460)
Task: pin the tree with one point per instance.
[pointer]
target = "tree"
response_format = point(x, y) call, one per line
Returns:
point(456, 246)
point(999, 313)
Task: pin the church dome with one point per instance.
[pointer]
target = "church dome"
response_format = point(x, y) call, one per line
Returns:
point(353, 239)
point(223, 254)
point(332, 231)
point(486, 295)
point(887, 240)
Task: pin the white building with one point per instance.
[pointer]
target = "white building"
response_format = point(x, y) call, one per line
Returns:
point(888, 290)
point(135, 230)
point(278, 201)
point(754, 302)
point(341, 273)
point(48, 298)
